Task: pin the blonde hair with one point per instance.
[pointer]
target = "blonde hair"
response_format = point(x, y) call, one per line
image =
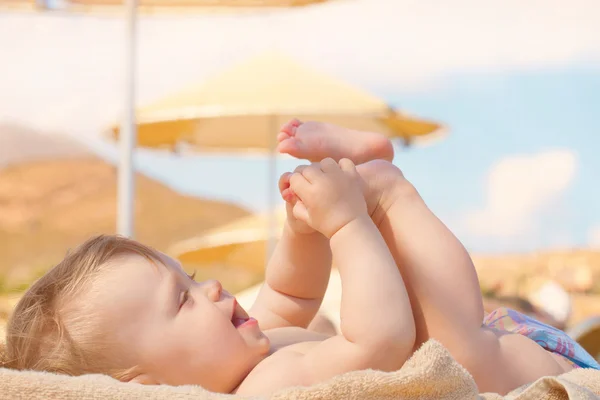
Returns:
point(45, 333)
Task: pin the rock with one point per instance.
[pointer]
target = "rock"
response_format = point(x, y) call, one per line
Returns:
point(2, 331)
point(577, 278)
point(554, 300)
point(584, 306)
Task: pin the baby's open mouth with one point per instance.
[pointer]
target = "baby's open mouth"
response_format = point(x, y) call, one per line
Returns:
point(239, 315)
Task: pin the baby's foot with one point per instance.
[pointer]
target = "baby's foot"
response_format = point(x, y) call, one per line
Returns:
point(383, 185)
point(315, 141)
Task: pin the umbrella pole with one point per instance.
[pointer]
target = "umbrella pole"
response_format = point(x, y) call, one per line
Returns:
point(271, 182)
point(125, 190)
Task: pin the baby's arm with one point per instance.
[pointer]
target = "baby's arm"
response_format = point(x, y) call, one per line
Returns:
point(377, 325)
point(376, 319)
point(297, 274)
point(296, 279)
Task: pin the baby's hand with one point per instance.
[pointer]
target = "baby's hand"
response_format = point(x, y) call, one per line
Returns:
point(290, 199)
point(329, 194)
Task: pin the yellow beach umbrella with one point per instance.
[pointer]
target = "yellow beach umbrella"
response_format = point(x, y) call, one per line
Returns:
point(241, 243)
point(242, 108)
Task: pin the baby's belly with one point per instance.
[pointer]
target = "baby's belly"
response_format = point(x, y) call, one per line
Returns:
point(301, 339)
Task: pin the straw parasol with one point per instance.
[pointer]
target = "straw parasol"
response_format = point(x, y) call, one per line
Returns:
point(242, 108)
point(242, 242)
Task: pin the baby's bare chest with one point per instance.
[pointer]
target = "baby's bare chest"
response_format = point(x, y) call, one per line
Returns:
point(294, 339)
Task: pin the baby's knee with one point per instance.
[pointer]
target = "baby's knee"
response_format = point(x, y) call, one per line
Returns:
point(402, 343)
point(396, 350)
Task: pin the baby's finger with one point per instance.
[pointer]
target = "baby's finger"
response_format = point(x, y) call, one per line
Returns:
point(347, 165)
point(312, 172)
point(299, 185)
point(329, 165)
point(284, 181)
point(300, 212)
point(289, 196)
point(300, 168)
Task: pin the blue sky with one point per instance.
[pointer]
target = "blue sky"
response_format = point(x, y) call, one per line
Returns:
point(498, 116)
point(518, 84)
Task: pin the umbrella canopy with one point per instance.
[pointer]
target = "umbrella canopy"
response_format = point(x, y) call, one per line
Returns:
point(242, 243)
point(242, 108)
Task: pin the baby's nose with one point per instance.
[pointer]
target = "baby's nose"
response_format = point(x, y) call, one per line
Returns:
point(213, 289)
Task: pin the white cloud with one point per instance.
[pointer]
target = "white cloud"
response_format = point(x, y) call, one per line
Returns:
point(518, 189)
point(65, 72)
point(594, 237)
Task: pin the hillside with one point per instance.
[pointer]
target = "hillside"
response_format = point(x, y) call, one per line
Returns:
point(19, 144)
point(576, 270)
point(54, 195)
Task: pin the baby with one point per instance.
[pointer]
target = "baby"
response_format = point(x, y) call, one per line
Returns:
point(117, 307)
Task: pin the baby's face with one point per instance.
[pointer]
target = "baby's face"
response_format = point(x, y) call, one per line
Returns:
point(176, 330)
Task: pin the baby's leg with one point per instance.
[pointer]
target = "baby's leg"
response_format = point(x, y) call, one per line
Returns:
point(436, 267)
point(443, 286)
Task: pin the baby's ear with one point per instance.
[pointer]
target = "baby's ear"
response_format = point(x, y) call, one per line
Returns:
point(144, 379)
